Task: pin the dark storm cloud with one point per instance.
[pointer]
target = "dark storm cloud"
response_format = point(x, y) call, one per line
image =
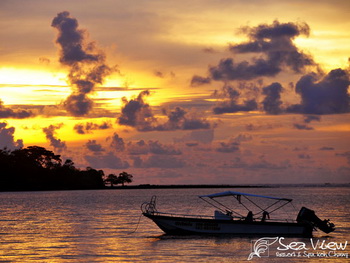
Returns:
point(86, 62)
point(93, 146)
point(191, 144)
point(264, 126)
point(50, 133)
point(156, 147)
point(178, 119)
point(233, 144)
point(159, 161)
point(232, 107)
point(142, 147)
point(108, 160)
point(117, 143)
point(72, 40)
point(296, 149)
point(230, 103)
point(137, 148)
point(11, 114)
point(326, 148)
point(302, 126)
point(327, 95)
point(175, 117)
point(228, 147)
point(228, 70)
point(243, 138)
point(82, 128)
point(307, 119)
point(304, 156)
point(238, 163)
point(151, 147)
point(272, 101)
point(209, 50)
point(310, 118)
point(158, 74)
point(198, 81)
point(78, 104)
point(275, 43)
point(195, 124)
point(138, 113)
point(263, 164)
point(199, 136)
point(7, 138)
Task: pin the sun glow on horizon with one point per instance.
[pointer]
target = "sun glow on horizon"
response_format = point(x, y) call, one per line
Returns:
point(23, 86)
point(31, 130)
point(27, 76)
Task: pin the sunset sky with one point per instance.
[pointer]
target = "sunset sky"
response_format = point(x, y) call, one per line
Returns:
point(181, 92)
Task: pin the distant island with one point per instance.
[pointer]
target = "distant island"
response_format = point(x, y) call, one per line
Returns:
point(35, 168)
point(184, 186)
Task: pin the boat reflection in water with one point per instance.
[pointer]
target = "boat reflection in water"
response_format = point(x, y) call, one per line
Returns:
point(227, 221)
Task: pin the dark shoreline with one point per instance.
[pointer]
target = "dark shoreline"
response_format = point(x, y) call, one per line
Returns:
point(186, 186)
point(179, 186)
point(195, 186)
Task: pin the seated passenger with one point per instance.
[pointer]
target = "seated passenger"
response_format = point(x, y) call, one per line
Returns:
point(264, 216)
point(249, 217)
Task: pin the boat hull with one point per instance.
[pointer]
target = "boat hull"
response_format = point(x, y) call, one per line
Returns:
point(187, 226)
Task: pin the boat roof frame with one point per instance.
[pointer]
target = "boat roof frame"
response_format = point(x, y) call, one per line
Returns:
point(235, 193)
point(238, 196)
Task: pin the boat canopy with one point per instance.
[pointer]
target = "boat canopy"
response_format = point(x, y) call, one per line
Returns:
point(234, 193)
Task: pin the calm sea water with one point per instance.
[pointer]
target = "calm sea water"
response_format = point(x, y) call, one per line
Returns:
point(97, 226)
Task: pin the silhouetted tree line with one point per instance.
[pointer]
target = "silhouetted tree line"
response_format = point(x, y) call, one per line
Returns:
point(35, 168)
point(122, 178)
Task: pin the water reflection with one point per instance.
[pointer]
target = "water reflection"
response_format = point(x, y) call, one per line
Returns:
point(97, 226)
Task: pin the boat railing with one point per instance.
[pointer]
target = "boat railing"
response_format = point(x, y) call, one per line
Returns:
point(183, 215)
point(157, 213)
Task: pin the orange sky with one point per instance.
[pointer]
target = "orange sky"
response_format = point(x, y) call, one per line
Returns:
point(181, 91)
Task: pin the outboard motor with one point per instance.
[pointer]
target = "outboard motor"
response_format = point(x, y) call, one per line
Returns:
point(308, 215)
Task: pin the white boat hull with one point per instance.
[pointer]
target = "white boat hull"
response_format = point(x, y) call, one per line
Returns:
point(184, 226)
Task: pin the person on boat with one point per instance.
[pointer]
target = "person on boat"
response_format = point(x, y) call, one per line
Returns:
point(249, 217)
point(264, 216)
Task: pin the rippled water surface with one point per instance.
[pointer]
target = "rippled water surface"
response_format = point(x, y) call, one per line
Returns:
point(98, 226)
